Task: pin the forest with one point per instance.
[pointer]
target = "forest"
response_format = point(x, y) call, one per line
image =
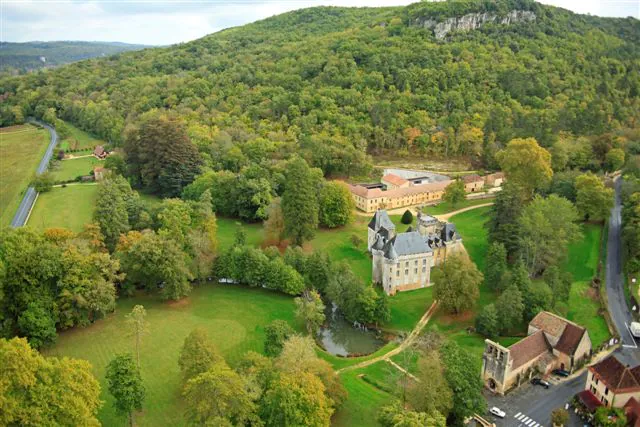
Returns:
point(338, 85)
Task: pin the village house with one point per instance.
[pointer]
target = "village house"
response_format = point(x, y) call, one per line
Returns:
point(612, 383)
point(552, 343)
point(100, 153)
point(403, 261)
point(494, 179)
point(99, 173)
point(473, 183)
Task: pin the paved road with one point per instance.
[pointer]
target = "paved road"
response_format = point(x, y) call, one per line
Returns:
point(30, 196)
point(531, 405)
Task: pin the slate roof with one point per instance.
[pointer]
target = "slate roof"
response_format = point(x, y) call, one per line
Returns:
point(449, 232)
point(410, 243)
point(528, 349)
point(380, 220)
point(618, 377)
point(395, 179)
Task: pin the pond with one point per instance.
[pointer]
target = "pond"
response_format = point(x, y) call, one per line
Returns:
point(342, 338)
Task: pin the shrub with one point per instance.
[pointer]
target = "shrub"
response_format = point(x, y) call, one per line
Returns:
point(407, 217)
point(356, 240)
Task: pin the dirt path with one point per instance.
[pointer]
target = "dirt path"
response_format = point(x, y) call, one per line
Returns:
point(406, 343)
point(445, 217)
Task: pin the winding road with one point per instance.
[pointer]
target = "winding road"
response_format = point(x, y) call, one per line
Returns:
point(30, 195)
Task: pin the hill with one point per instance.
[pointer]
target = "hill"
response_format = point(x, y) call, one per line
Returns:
point(338, 84)
point(33, 55)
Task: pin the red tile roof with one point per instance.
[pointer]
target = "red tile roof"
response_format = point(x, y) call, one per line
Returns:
point(373, 193)
point(589, 400)
point(570, 339)
point(395, 179)
point(632, 411)
point(528, 349)
point(618, 377)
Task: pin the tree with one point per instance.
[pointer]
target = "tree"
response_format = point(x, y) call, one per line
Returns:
point(547, 226)
point(154, 261)
point(559, 282)
point(526, 163)
point(115, 164)
point(197, 355)
point(276, 333)
point(43, 182)
point(310, 310)
point(487, 322)
point(356, 240)
point(36, 390)
point(218, 394)
point(336, 205)
point(300, 201)
point(137, 323)
point(559, 417)
point(510, 308)
point(609, 417)
point(159, 155)
point(503, 224)
point(38, 325)
point(454, 193)
point(125, 385)
point(274, 224)
point(593, 200)
point(456, 284)
point(614, 159)
point(395, 415)
point(496, 265)
point(296, 399)
point(431, 394)
point(111, 213)
point(407, 217)
point(463, 375)
point(318, 271)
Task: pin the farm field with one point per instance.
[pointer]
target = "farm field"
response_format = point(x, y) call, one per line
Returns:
point(69, 207)
point(72, 168)
point(78, 140)
point(21, 149)
point(234, 317)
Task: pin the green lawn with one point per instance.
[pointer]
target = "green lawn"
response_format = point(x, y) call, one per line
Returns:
point(70, 169)
point(470, 225)
point(69, 207)
point(408, 307)
point(79, 140)
point(21, 149)
point(445, 207)
point(361, 408)
point(227, 228)
point(234, 317)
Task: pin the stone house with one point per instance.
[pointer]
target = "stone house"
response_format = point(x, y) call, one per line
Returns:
point(404, 261)
point(99, 173)
point(391, 182)
point(613, 383)
point(100, 153)
point(473, 183)
point(494, 179)
point(552, 343)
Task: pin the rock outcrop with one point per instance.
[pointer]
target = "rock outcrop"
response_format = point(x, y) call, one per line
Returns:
point(473, 21)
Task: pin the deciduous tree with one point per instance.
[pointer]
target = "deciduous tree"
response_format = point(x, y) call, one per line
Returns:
point(456, 284)
point(593, 200)
point(137, 323)
point(310, 310)
point(526, 163)
point(454, 193)
point(336, 205)
point(125, 385)
point(197, 355)
point(276, 333)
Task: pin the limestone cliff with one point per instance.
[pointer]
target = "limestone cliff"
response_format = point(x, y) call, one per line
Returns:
point(473, 21)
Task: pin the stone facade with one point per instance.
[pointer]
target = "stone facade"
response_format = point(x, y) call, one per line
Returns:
point(553, 343)
point(404, 261)
point(613, 383)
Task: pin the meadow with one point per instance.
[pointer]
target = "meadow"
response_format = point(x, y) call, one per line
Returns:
point(21, 149)
point(233, 316)
point(78, 140)
point(69, 207)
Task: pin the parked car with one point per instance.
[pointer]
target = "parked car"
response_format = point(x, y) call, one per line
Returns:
point(561, 373)
point(541, 382)
point(497, 412)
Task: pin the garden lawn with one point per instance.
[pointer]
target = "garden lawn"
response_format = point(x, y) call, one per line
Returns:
point(584, 302)
point(67, 170)
point(234, 317)
point(364, 402)
point(470, 226)
point(69, 207)
point(407, 308)
point(446, 207)
point(21, 149)
point(227, 228)
point(78, 140)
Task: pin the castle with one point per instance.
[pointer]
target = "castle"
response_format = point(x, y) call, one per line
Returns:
point(403, 261)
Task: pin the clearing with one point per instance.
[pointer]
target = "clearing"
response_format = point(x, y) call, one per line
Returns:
point(233, 316)
point(78, 140)
point(21, 149)
point(67, 170)
point(69, 207)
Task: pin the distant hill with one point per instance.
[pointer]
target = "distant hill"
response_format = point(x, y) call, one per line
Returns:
point(33, 55)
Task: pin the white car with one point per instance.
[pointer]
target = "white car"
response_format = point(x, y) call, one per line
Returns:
point(497, 412)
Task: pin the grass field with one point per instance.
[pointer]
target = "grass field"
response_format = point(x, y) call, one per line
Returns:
point(71, 169)
point(78, 140)
point(21, 148)
point(445, 207)
point(408, 307)
point(233, 316)
point(69, 207)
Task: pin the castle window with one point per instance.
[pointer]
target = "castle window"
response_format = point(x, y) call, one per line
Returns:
point(424, 269)
point(606, 391)
point(424, 262)
point(416, 263)
point(397, 273)
point(406, 272)
point(415, 271)
point(406, 264)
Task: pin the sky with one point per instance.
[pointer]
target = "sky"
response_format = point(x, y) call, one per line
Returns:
point(163, 22)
